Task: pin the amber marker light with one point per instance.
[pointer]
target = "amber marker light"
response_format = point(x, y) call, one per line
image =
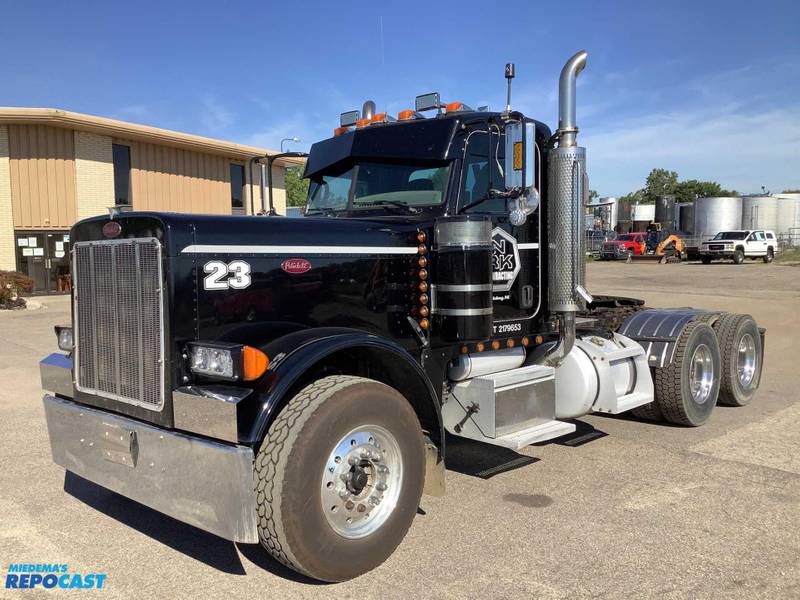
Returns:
point(423, 299)
point(423, 311)
point(421, 236)
point(340, 130)
point(538, 339)
point(421, 249)
point(510, 343)
point(361, 123)
point(405, 115)
point(495, 345)
point(423, 287)
point(424, 323)
point(254, 363)
point(423, 274)
point(480, 347)
point(525, 341)
point(454, 107)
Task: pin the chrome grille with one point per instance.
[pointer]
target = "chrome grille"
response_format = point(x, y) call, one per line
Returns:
point(119, 323)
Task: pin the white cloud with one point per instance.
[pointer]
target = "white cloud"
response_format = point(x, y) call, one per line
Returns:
point(215, 117)
point(741, 148)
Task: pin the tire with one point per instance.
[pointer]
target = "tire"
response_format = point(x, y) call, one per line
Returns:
point(293, 470)
point(740, 346)
point(672, 383)
point(738, 257)
point(769, 256)
point(706, 260)
point(648, 412)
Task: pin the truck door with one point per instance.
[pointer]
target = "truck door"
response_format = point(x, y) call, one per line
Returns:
point(516, 266)
point(756, 244)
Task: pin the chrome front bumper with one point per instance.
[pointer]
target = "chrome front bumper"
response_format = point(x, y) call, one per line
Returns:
point(200, 482)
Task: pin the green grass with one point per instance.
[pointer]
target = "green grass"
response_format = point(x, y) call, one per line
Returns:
point(791, 257)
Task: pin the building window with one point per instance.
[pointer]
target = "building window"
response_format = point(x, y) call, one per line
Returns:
point(122, 174)
point(237, 186)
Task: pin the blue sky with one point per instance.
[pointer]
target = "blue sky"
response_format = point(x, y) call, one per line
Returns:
point(708, 89)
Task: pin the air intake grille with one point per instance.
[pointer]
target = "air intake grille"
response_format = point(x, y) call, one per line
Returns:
point(119, 324)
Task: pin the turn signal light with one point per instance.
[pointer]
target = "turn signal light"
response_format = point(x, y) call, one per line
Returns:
point(254, 363)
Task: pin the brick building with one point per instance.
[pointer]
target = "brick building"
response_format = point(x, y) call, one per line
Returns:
point(57, 167)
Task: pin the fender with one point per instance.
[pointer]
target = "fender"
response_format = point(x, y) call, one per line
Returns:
point(658, 330)
point(293, 355)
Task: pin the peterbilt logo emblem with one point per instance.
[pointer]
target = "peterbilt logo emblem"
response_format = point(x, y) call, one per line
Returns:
point(295, 266)
point(505, 260)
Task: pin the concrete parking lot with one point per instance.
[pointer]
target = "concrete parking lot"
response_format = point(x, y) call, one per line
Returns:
point(624, 509)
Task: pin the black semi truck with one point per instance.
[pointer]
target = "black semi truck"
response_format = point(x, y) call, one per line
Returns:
point(292, 382)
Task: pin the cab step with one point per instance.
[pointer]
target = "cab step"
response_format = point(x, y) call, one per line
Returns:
point(541, 432)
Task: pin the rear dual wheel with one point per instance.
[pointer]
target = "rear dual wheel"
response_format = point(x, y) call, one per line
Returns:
point(339, 477)
point(686, 390)
point(740, 344)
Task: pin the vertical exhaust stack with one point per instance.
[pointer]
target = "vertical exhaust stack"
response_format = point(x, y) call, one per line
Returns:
point(566, 239)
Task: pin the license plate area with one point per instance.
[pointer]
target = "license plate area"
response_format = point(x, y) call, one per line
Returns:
point(119, 445)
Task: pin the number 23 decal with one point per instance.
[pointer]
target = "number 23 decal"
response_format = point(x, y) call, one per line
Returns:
point(221, 276)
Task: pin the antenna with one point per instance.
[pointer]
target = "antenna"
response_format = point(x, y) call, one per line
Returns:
point(509, 77)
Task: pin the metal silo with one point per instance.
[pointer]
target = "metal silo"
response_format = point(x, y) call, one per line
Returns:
point(665, 211)
point(686, 217)
point(712, 215)
point(789, 217)
point(759, 212)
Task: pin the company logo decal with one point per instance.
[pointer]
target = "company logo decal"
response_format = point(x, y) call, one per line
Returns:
point(29, 576)
point(295, 266)
point(505, 260)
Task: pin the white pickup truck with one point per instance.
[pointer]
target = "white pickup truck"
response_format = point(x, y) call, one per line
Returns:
point(740, 244)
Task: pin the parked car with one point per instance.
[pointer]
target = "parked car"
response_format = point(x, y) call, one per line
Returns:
point(623, 246)
point(595, 238)
point(740, 244)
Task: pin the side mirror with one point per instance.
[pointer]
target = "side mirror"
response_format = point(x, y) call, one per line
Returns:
point(520, 171)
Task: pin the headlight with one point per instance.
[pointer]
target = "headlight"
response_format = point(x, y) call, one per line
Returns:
point(65, 339)
point(233, 362)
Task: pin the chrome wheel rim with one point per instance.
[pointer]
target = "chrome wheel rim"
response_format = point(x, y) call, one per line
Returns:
point(361, 482)
point(746, 361)
point(701, 374)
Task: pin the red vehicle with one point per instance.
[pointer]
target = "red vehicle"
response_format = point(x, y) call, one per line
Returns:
point(625, 245)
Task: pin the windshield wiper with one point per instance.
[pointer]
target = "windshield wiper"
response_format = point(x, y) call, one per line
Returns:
point(395, 203)
point(490, 196)
point(325, 210)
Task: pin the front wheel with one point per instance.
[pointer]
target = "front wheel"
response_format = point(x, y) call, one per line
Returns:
point(339, 477)
point(769, 256)
point(738, 257)
point(706, 260)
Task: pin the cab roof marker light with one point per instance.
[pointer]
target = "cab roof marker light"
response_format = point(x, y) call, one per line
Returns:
point(409, 115)
point(361, 123)
point(456, 107)
point(382, 118)
point(340, 130)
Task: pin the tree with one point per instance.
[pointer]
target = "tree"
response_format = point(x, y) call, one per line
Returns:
point(687, 191)
point(296, 187)
point(593, 194)
point(790, 192)
point(660, 182)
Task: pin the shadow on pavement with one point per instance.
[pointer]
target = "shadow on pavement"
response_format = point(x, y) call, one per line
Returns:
point(207, 548)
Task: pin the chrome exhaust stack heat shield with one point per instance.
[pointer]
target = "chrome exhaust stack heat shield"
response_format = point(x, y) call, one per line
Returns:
point(566, 240)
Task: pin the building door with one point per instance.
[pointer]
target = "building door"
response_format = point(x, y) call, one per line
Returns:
point(44, 257)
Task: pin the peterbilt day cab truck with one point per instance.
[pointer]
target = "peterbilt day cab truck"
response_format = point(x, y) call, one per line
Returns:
point(434, 288)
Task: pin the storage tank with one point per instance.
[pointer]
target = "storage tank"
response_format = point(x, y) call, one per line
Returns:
point(789, 217)
point(665, 211)
point(623, 210)
point(760, 212)
point(686, 217)
point(712, 215)
point(643, 212)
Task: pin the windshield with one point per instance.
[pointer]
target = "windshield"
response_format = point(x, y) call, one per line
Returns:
point(731, 235)
point(377, 185)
